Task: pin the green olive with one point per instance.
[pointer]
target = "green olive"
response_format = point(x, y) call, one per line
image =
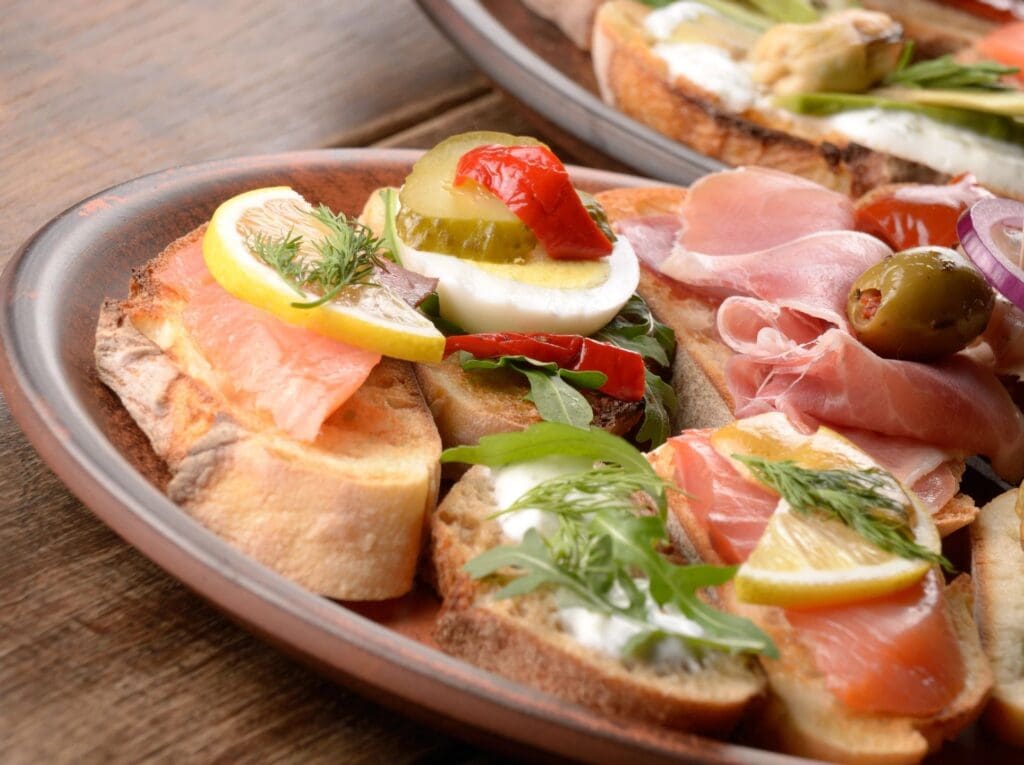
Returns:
point(920, 304)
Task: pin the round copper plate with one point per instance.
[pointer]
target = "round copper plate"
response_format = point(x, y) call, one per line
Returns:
point(52, 290)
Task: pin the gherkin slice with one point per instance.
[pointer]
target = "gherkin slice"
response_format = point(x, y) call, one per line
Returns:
point(466, 222)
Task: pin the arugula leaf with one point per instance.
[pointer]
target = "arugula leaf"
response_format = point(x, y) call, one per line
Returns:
point(581, 379)
point(550, 391)
point(607, 555)
point(544, 439)
point(660, 405)
point(556, 400)
point(636, 329)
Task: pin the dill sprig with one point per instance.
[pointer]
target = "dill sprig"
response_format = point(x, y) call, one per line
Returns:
point(945, 73)
point(860, 499)
point(347, 255)
point(608, 549)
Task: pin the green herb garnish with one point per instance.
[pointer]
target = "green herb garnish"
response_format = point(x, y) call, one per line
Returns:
point(860, 499)
point(345, 257)
point(945, 73)
point(636, 329)
point(609, 543)
point(550, 390)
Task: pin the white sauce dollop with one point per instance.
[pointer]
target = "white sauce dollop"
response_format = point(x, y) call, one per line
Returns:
point(608, 634)
point(712, 69)
point(946, 148)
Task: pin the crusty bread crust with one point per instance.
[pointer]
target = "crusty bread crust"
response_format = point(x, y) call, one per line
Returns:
point(698, 372)
point(519, 638)
point(802, 716)
point(633, 79)
point(343, 516)
point(997, 567)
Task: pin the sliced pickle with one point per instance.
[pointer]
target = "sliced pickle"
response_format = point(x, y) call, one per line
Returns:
point(468, 222)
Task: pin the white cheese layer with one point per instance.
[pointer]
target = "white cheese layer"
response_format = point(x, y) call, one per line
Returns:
point(946, 148)
point(712, 69)
point(600, 632)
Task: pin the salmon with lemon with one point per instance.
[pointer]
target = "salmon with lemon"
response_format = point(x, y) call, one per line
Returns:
point(842, 566)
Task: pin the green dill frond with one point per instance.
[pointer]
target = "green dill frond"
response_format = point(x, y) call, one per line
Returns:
point(860, 499)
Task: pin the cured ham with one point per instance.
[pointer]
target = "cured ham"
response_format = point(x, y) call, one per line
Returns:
point(295, 375)
point(755, 208)
point(896, 655)
point(954, 403)
point(779, 252)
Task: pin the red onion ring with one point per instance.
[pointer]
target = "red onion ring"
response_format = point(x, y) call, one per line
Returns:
point(991, 234)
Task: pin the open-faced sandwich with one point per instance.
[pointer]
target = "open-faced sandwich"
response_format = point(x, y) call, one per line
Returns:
point(782, 572)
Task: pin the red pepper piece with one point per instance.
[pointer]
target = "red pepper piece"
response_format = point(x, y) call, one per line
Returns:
point(538, 347)
point(535, 186)
point(624, 369)
point(916, 216)
point(626, 372)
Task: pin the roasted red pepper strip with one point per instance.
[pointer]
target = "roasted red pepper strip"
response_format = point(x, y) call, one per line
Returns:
point(624, 369)
point(535, 186)
point(915, 216)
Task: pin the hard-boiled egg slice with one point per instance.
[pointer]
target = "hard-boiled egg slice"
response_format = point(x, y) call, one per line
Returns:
point(540, 295)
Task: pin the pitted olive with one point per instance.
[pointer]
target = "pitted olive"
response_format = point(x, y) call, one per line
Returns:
point(920, 304)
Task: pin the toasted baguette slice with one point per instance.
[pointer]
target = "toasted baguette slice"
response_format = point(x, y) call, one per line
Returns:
point(636, 81)
point(698, 372)
point(343, 516)
point(802, 717)
point(998, 571)
point(520, 639)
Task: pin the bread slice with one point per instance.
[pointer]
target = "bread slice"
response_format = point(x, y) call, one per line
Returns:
point(520, 639)
point(698, 372)
point(636, 81)
point(998, 572)
point(801, 716)
point(343, 516)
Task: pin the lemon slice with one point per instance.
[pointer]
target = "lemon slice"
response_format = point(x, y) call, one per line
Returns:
point(813, 559)
point(367, 316)
point(809, 560)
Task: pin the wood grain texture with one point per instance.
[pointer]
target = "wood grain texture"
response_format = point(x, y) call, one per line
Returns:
point(103, 658)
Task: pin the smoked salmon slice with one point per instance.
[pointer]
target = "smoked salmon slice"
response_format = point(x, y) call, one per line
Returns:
point(293, 374)
point(894, 655)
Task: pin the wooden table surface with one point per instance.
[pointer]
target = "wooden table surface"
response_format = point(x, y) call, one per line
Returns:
point(103, 657)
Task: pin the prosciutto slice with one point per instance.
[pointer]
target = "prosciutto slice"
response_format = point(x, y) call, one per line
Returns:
point(755, 208)
point(954, 404)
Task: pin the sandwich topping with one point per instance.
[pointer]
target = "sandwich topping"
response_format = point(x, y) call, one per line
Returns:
point(873, 619)
point(849, 72)
point(314, 269)
point(585, 514)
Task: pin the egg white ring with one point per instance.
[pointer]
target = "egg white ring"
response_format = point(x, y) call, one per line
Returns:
point(479, 301)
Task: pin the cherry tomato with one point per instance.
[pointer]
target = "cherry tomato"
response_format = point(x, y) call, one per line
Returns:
point(624, 369)
point(915, 216)
point(535, 186)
